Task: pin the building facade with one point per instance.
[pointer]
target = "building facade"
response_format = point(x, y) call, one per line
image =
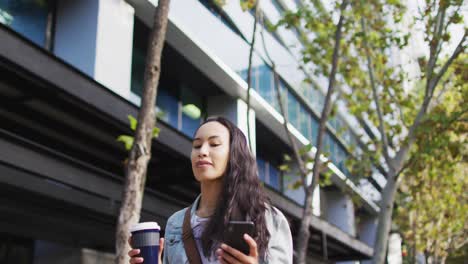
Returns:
point(72, 71)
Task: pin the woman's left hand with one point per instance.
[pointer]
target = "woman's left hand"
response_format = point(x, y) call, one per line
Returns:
point(229, 255)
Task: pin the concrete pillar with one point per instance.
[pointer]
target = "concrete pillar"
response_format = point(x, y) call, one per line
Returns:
point(394, 249)
point(340, 211)
point(236, 111)
point(97, 37)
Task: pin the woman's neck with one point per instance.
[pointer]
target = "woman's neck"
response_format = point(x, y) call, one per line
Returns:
point(210, 192)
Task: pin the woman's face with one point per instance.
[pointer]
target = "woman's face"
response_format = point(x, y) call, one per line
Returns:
point(210, 152)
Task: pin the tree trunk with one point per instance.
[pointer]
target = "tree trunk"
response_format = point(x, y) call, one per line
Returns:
point(304, 231)
point(140, 153)
point(249, 71)
point(385, 219)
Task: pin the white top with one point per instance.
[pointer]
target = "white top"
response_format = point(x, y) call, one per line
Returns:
point(145, 226)
point(198, 226)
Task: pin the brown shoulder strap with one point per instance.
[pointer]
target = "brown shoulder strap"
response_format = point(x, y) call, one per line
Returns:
point(188, 239)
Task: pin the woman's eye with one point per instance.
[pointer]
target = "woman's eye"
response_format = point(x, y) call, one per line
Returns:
point(215, 145)
point(197, 146)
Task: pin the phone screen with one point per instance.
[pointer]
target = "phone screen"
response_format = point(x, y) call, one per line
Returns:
point(234, 235)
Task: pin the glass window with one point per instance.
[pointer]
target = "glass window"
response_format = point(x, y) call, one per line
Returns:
point(341, 158)
point(178, 105)
point(297, 195)
point(293, 110)
point(169, 106)
point(304, 122)
point(261, 169)
point(138, 71)
point(191, 111)
point(333, 123)
point(326, 144)
point(140, 39)
point(265, 87)
point(318, 100)
point(314, 130)
point(284, 95)
point(29, 18)
point(274, 178)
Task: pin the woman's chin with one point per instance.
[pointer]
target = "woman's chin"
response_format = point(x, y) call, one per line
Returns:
point(208, 178)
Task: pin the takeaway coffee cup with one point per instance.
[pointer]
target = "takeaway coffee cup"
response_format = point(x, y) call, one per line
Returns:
point(145, 237)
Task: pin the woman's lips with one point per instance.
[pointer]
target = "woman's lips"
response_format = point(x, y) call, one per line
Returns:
point(202, 164)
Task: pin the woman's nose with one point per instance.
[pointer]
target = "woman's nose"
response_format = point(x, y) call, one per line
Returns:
point(203, 152)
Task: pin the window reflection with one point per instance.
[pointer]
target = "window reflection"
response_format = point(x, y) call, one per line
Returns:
point(268, 173)
point(28, 18)
point(191, 111)
point(168, 107)
point(177, 104)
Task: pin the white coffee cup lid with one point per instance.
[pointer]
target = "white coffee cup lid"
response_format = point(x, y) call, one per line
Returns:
point(145, 226)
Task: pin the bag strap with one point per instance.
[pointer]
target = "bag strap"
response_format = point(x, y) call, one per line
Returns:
point(189, 242)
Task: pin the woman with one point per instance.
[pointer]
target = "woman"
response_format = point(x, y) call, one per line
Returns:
point(230, 190)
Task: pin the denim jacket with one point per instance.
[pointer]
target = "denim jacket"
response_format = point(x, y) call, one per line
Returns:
point(280, 248)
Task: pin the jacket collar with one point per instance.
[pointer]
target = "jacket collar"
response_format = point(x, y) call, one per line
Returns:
point(195, 205)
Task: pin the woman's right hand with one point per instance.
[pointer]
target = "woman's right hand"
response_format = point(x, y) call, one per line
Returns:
point(135, 251)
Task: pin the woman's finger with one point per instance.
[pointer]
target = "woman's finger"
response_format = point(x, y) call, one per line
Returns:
point(136, 260)
point(232, 252)
point(227, 258)
point(253, 252)
point(222, 261)
point(161, 247)
point(133, 252)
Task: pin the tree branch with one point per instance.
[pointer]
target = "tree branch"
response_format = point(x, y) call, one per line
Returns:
point(385, 146)
point(270, 60)
point(440, 34)
point(400, 110)
point(431, 84)
point(448, 23)
point(327, 104)
point(249, 71)
point(433, 44)
point(458, 50)
point(454, 119)
point(297, 156)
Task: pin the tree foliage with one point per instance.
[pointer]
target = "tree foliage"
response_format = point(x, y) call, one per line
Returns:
point(433, 203)
point(396, 110)
point(375, 84)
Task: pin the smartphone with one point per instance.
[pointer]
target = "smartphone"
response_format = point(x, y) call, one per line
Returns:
point(234, 235)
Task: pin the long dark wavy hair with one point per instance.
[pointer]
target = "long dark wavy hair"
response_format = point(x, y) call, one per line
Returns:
point(242, 196)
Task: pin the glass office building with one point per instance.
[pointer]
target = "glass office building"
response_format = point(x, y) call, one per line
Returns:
point(72, 71)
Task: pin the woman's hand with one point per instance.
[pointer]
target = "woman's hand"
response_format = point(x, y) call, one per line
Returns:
point(229, 255)
point(134, 251)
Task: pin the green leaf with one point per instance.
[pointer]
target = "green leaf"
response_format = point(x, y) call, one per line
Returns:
point(156, 131)
point(127, 140)
point(283, 167)
point(133, 122)
point(296, 185)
